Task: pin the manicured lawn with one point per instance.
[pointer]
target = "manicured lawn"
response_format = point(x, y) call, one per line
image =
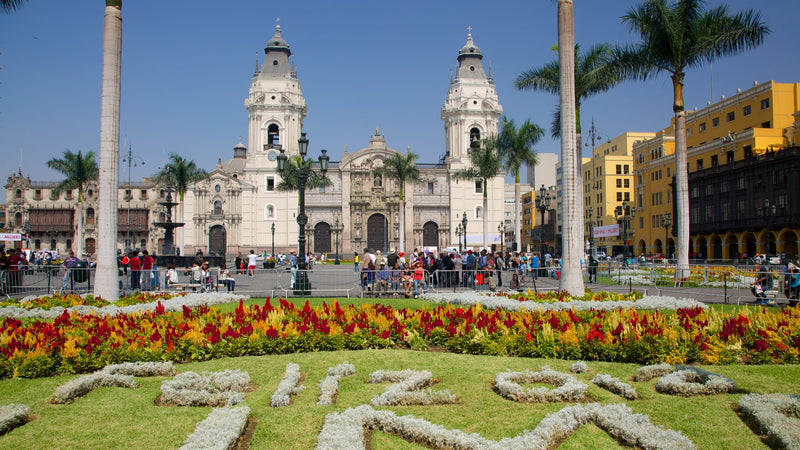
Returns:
point(119, 418)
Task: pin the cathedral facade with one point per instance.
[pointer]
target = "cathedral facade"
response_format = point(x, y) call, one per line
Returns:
point(238, 207)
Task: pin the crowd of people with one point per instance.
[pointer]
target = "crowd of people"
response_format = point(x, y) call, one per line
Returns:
point(412, 274)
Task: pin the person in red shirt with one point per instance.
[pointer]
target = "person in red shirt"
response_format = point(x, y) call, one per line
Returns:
point(136, 266)
point(147, 271)
point(16, 261)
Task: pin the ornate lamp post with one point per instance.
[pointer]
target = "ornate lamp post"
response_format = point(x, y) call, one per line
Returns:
point(302, 174)
point(666, 222)
point(273, 240)
point(590, 210)
point(769, 211)
point(542, 205)
point(502, 230)
point(458, 235)
point(464, 228)
point(337, 230)
point(624, 214)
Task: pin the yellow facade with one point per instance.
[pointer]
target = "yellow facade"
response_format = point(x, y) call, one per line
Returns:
point(528, 219)
point(608, 182)
point(751, 122)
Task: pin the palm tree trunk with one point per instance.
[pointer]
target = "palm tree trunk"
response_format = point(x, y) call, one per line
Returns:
point(572, 230)
point(681, 179)
point(485, 216)
point(402, 242)
point(517, 232)
point(106, 279)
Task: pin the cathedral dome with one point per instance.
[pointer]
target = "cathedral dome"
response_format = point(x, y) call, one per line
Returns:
point(277, 43)
point(470, 48)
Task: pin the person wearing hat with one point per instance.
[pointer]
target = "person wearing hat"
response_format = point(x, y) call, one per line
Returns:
point(379, 258)
point(391, 260)
point(383, 278)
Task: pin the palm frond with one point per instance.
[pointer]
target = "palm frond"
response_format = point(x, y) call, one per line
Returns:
point(290, 178)
point(78, 169)
point(181, 172)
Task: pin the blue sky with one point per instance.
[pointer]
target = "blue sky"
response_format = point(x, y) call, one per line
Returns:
point(187, 65)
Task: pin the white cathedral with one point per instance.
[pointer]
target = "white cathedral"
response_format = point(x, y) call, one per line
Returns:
point(237, 208)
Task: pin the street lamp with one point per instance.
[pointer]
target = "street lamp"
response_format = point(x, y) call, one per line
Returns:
point(458, 236)
point(624, 214)
point(134, 161)
point(769, 212)
point(590, 210)
point(502, 230)
point(666, 222)
point(464, 228)
point(273, 240)
point(302, 174)
point(542, 205)
point(337, 230)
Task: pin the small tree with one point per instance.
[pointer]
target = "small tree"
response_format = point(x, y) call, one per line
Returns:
point(515, 146)
point(401, 168)
point(79, 170)
point(486, 165)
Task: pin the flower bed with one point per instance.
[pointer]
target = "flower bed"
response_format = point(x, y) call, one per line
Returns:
point(173, 303)
point(289, 386)
point(406, 388)
point(74, 343)
point(219, 430)
point(70, 300)
point(568, 388)
point(329, 387)
point(13, 416)
point(209, 389)
point(691, 381)
point(774, 415)
point(562, 303)
point(346, 430)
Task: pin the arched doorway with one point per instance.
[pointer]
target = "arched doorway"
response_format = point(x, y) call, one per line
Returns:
point(217, 240)
point(789, 239)
point(750, 245)
point(377, 238)
point(670, 247)
point(733, 246)
point(702, 248)
point(322, 238)
point(90, 246)
point(716, 247)
point(642, 248)
point(430, 235)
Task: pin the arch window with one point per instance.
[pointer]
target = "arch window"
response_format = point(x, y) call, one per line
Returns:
point(269, 212)
point(474, 134)
point(18, 219)
point(377, 181)
point(478, 213)
point(273, 135)
point(217, 207)
point(90, 216)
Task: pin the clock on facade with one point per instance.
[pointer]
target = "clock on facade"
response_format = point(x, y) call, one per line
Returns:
point(272, 155)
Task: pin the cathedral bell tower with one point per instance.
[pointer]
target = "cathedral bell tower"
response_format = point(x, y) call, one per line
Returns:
point(276, 107)
point(471, 110)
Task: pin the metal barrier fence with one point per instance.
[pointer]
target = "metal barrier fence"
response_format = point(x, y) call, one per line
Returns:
point(724, 284)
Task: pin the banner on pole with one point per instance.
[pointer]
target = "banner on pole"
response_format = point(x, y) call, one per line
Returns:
point(606, 231)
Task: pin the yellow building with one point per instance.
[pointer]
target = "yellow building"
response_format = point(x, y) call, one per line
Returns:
point(736, 131)
point(608, 182)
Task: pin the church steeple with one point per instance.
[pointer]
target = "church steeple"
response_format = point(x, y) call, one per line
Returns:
point(276, 64)
point(472, 109)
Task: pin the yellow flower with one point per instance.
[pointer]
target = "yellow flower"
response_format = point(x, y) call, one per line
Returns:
point(69, 350)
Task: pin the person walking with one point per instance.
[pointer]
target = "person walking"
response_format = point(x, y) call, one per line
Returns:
point(147, 271)
point(69, 263)
point(136, 268)
point(226, 278)
point(251, 263)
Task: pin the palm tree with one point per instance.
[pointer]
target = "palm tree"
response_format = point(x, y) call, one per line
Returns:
point(290, 180)
point(181, 172)
point(593, 74)
point(9, 6)
point(79, 170)
point(515, 147)
point(106, 277)
point(401, 168)
point(571, 196)
point(486, 165)
point(674, 37)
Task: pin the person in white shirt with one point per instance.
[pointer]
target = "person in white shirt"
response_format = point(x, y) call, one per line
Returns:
point(171, 276)
point(251, 263)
